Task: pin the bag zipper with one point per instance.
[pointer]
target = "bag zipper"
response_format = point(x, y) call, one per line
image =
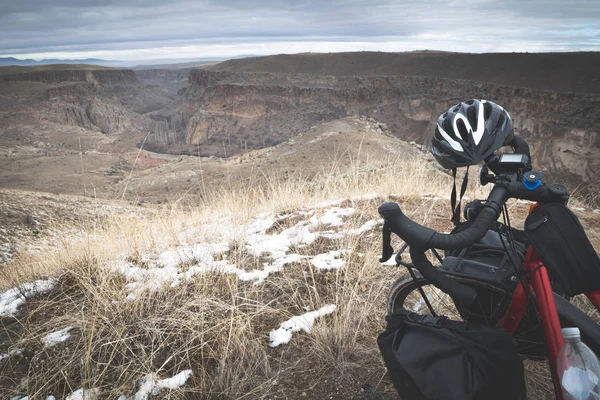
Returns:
point(534, 226)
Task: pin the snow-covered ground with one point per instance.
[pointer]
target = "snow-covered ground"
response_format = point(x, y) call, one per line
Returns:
point(54, 338)
point(13, 298)
point(273, 241)
point(204, 249)
point(297, 323)
point(148, 387)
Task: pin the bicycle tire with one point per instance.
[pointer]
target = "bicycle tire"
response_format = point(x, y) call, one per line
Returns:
point(528, 337)
point(493, 302)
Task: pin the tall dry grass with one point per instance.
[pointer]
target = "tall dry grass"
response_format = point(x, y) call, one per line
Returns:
point(215, 324)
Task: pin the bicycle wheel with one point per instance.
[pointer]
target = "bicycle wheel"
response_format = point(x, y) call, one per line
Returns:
point(492, 303)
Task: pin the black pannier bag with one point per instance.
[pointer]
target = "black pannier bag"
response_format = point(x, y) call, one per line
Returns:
point(433, 358)
point(488, 259)
point(562, 245)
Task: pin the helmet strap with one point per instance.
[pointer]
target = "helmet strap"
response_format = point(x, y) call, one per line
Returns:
point(463, 188)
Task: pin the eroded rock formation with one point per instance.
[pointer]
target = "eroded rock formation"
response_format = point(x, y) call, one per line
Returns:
point(255, 109)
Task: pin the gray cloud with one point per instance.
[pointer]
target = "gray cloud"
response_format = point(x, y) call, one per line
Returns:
point(45, 26)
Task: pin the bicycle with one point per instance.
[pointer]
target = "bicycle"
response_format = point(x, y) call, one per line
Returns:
point(488, 274)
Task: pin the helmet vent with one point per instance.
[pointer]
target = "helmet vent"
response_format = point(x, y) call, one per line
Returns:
point(487, 110)
point(462, 130)
point(447, 126)
point(470, 102)
point(472, 116)
point(501, 121)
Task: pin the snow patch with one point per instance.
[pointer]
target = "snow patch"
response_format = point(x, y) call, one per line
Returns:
point(329, 203)
point(278, 265)
point(278, 245)
point(368, 196)
point(151, 385)
point(212, 240)
point(297, 323)
point(332, 235)
point(13, 298)
point(200, 253)
point(334, 216)
point(14, 352)
point(367, 226)
point(84, 394)
point(329, 261)
point(54, 338)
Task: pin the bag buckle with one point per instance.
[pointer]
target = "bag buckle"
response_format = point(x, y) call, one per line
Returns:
point(428, 320)
point(439, 321)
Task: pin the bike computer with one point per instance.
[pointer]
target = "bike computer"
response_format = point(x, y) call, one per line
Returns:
point(513, 162)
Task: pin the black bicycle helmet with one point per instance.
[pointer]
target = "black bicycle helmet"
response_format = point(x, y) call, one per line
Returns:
point(469, 132)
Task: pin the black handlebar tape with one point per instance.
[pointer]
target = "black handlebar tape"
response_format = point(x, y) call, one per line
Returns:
point(425, 238)
point(408, 230)
point(447, 285)
point(419, 237)
point(520, 146)
point(471, 235)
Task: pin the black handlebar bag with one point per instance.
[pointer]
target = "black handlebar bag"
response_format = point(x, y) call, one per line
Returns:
point(562, 245)
point(433, 358)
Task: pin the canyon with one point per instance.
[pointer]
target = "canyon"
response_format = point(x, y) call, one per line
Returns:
point(67, 128)
point(252, 103)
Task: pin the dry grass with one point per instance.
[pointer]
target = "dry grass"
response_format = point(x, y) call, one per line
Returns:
point(215, 324)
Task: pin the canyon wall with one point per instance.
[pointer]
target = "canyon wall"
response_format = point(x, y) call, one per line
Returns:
point(99, 76)
point(63, 102)
point(256, 109)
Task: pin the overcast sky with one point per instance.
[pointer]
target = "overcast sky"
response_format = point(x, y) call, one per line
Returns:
point(152, 29)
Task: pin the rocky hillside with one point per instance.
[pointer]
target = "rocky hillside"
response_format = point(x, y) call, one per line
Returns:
point(65, 128)
point(31, 219)
point(96, 99)
point(258, 102)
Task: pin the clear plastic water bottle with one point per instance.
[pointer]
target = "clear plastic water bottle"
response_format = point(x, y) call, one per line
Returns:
point(578, 368)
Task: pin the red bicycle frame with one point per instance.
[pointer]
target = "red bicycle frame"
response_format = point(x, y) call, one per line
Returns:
point(537, 281)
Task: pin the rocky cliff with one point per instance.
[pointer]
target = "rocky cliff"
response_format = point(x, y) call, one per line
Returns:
point(69, 73)
point(232, 111)
point(97, 99)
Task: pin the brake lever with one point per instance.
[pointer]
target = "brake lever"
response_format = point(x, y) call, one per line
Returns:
point(398, 257)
